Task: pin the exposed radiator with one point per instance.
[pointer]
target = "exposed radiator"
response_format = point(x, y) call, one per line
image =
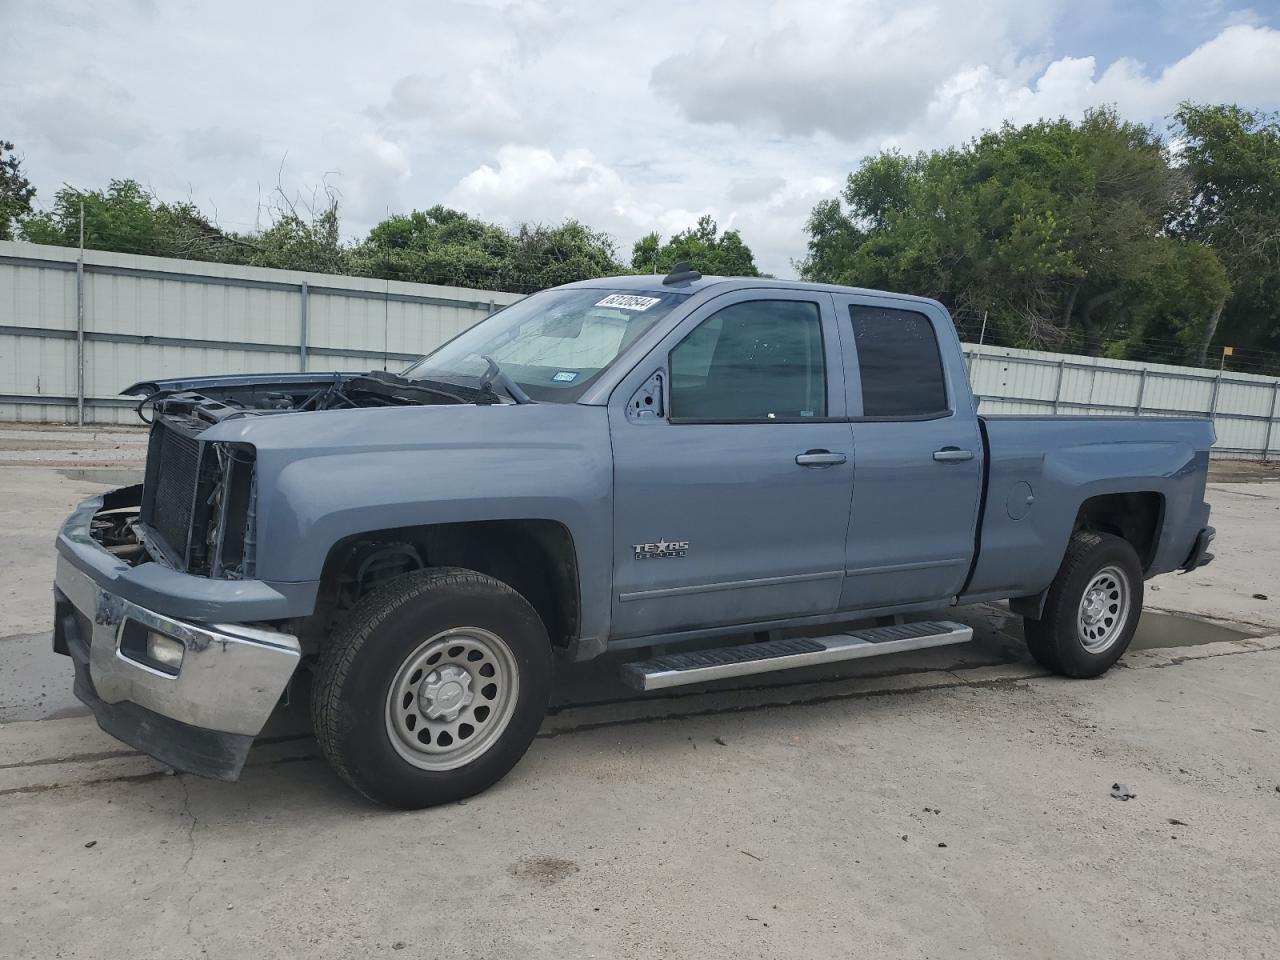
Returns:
point(173, 467)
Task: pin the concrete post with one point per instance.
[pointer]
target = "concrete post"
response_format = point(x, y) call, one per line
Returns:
point(303, 331)
point(80, 325)
point(1271, 420)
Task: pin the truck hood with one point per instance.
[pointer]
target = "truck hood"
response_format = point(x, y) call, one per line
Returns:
point(222, 383)
point(508, 426)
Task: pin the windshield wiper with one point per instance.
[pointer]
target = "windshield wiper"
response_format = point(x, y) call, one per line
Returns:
point(423, 385)
point(493, 374)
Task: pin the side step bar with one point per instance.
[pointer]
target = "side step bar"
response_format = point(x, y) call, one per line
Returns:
point(677, 669)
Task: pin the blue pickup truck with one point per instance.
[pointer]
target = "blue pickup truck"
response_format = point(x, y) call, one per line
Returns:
point(631, 463)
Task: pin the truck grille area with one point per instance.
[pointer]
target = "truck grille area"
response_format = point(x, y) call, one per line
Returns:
point(173, 470)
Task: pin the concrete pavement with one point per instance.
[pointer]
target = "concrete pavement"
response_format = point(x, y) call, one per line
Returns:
point(948, 803)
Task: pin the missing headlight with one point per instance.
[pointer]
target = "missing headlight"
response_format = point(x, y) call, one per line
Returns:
point(228, 502)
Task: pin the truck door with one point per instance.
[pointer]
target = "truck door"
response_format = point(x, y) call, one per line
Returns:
point(733, 469)
point(917, 453)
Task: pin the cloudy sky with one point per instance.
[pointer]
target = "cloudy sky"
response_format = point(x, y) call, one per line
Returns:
point(630, 117)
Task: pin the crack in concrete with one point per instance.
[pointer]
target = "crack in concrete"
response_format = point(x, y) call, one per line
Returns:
point(115, 754)
point(186, 866)
point(71, 758)
point(132, 778)
point(1177, 661)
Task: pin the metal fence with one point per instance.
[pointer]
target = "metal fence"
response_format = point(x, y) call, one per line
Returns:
point(72, 335)
point(1245, 407)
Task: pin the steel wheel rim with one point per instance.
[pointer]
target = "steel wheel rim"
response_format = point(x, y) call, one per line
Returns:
point(1103, 610)
point(452, 698)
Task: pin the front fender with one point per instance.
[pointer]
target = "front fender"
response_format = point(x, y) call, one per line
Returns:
point(316, 502)
point(325, 477)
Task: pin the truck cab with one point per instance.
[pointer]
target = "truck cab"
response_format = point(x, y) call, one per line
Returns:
point(618, 464)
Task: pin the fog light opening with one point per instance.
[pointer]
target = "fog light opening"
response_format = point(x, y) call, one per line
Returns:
point(164, 651)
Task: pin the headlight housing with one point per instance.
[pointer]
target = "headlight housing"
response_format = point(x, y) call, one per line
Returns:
point(227, 499)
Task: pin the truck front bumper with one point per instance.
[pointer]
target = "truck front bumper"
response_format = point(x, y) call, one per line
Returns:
point(199, 715)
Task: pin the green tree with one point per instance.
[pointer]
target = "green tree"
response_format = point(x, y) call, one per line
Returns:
point(1229, 159)
point(16, 191)
point(126, 218)
point(307, 239)
point(1051, 228)
point(1181, 287)
point(703, 247)
point(447, 246)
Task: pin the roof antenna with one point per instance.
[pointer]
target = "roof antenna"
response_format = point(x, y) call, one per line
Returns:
point(681, 273)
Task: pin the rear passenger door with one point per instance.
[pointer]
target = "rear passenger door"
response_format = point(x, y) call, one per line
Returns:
point(917, 454)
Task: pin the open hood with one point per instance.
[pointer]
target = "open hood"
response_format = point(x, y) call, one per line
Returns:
point(202, 401)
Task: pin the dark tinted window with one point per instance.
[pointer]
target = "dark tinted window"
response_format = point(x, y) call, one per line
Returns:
point(899, 363)
point(760, 360)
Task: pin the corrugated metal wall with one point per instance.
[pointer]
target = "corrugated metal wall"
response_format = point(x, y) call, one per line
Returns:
point(1245, 407)
point(146, 317)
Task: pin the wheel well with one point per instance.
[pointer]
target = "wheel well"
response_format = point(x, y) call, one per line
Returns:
point(534, 557)
point(1135, 517)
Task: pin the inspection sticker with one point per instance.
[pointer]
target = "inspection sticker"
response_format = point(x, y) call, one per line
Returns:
point(625, 301)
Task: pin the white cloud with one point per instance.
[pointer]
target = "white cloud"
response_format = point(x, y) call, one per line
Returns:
point(533, 184)
point(390, 157)
point(1242, 64)
point(537, 178)
point(473, 104)
point(853, 70)
point(629, 117)
point(81, 113)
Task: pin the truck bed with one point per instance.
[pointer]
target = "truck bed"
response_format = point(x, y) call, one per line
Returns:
point(1041, 470)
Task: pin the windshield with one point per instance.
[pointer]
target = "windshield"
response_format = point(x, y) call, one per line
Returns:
point(554, 343)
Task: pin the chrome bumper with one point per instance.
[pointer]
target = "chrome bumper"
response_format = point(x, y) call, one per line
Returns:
point(230, 678)
point(201, 717)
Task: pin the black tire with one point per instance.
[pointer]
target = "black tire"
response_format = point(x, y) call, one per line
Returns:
point(1057, 640)
point(350, 705)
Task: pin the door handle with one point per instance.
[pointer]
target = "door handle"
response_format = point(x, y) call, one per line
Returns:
point(819, 458)
point(952, 455)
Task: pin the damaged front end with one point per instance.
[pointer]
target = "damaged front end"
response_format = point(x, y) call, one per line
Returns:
point(180, 648)
point(198, 507)
point(156, 671)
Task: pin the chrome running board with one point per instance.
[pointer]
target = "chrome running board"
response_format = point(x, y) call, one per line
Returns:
point(678, 669)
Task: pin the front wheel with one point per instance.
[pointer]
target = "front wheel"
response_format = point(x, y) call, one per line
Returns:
point(433, 687)
point(1092, 609)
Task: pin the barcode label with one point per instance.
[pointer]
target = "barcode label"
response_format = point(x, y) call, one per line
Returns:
point(625, 301)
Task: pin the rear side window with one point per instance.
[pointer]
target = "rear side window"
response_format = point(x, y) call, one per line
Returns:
point(755, 361)
point(898, 362)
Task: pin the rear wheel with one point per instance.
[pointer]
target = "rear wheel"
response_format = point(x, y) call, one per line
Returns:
point(1092, 609)
point(433, 687)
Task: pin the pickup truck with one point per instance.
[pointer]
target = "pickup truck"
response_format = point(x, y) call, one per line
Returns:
point(682, 463)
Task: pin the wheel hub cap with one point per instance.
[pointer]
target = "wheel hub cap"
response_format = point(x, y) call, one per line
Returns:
point(452, 698)
point(445, 692)
point(1104, 609)
point(1094, 606)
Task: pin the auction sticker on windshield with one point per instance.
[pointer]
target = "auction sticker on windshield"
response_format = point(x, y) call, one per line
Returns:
point(625, 301)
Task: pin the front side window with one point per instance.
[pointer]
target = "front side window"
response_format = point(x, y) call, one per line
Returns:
point(898, 362)
point(554, 344)
point(755, 361)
